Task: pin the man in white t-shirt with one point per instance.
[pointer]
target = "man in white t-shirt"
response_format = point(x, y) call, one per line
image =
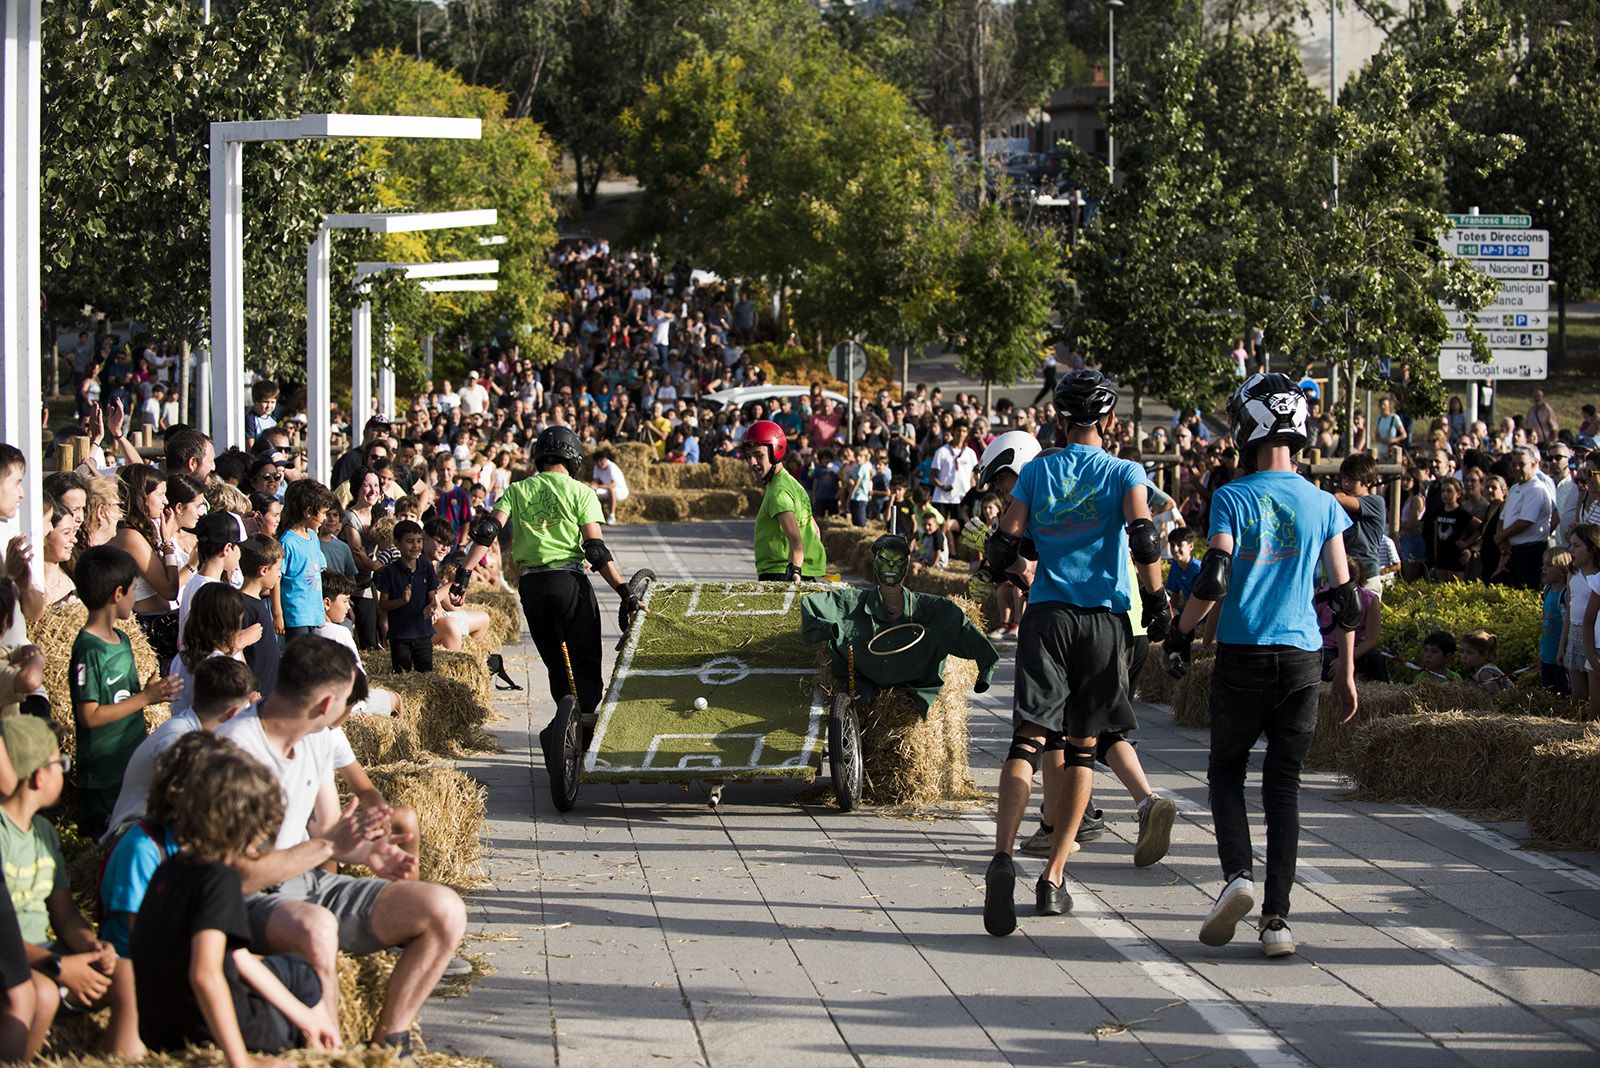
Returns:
point(474, 398)
point(292, 901)
point(661, 333)
point(953, 465)
point(609, 483)
point(1525, 520)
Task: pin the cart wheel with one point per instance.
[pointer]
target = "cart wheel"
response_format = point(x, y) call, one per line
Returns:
point(844, 751)
point(563, 753)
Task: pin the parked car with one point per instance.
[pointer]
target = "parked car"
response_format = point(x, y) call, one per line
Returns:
point(744, 396)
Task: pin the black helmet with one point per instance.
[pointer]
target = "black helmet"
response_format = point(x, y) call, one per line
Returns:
point(1268, 409)
point(558, 443)
point(1085, 397)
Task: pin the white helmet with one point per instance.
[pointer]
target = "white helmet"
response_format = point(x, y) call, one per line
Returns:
point(1010, 451)
point(1269, 409)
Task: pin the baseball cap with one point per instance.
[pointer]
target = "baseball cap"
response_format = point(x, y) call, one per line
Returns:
point(29, 743)
point(218, 528)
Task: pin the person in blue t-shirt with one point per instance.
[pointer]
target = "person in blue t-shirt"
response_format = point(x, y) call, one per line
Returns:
point(1185, 568)
point(1269, 529)
point(1084, 510)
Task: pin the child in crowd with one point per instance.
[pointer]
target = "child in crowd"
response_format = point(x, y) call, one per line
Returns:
point(900, 515)
point(408, 594)
point(408, 507)
point(223, 687)
point(87, 969)
point(266, 510)
point(384, 550)
point(201, 982)
point(215, 559)
point(1437, 649)
point(1185, 568)
point(107, 700)
point(459, 623)
point(1584, 546)
point(304, 505)
point(1371, 664)
point(1368, 516)
point(931, 551)
point(218, 627)
point(338, 593)
point(335, 550)
point(826, 484)
point(1553, 673)
point(258, 419)
point(261, 565)
point(1477, 656)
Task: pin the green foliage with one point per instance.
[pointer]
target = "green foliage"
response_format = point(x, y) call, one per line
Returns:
point(511, 169)
point(1413, 611)
point(131, 87)
point(799, 366)
point(1002, 279)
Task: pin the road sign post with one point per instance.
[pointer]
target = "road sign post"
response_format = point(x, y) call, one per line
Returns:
point(849, 362)
point(1515, 323)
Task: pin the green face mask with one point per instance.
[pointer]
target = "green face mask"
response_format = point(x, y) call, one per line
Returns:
point(889, 565)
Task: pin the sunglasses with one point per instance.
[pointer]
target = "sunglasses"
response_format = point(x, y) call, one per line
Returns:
point(271, 476)
point(65, 762)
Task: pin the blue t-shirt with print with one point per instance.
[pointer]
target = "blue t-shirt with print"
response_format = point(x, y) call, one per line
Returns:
point(300, 589)
point(1279, 523)
point(1075, 518)
point(127, 876)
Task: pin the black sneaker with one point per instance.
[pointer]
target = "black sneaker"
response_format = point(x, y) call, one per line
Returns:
point(1051, 899)
point(999, 896)
point(399, 1047)
point(1092, 826)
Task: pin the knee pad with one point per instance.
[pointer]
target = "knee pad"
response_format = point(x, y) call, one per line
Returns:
point(1025, 748)
point(1103, 744)
point(1079, 756)
point(1055, 743)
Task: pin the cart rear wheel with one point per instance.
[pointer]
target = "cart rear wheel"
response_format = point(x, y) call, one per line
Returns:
point(563, 752)
point(844, 752)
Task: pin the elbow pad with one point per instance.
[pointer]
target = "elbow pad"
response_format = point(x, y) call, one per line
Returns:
point(1001, 551)
point(1216, 573)
point(486, 531)
point(1028, 550)
point(595, 551)
point(1345, 600)
point(1144, 542)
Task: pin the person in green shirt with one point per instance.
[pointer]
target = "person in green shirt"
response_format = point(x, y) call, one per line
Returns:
point(788, 544)
point(108, 702)
point(555, 529)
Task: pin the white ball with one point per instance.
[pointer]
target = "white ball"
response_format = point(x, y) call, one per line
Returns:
point(699, 703)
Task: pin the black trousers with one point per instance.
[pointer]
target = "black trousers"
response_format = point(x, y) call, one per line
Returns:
point(1256, 690)
point(411, 654)
point(560, 606)
point(366, 616)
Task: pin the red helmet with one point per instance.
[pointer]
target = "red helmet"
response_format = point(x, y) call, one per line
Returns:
point(766, 432)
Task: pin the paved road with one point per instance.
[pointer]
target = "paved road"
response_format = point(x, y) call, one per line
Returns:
point(644, 928)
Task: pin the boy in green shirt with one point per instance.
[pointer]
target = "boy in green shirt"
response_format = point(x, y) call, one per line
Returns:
point(788, 546)
point(107, 700)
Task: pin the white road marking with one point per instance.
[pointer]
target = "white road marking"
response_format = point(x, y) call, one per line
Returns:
point(1509, 846)
point(1418, 938)
point(1216, 1007)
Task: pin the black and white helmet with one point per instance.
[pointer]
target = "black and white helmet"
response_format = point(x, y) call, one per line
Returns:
point(1269, 409)
point(1084, 398)
point(559, 443)
point(1010, 451)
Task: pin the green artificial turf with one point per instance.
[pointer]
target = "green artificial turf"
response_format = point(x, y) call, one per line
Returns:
point(738, 646)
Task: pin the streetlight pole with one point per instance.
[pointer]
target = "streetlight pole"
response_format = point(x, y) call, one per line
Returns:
point(1111, 77)
point(1333, 86)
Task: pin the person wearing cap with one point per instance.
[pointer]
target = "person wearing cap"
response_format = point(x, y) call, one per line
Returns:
point(30, 997)
point(474, 397)
point(788, 545)
point(218, 536)
point(87, 969)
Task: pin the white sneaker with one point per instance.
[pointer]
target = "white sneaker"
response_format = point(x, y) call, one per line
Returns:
point(1276, 938)
point(1233, 904)
point(611, 519)
point(997, 634)
point(1038, 845)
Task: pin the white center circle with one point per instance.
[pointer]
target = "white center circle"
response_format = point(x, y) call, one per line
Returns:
point(722, 671)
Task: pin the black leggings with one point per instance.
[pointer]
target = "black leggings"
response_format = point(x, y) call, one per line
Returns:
point(560, 607)
point(366, 616)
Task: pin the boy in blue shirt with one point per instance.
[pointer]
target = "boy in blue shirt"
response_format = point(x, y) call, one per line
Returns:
point(1085, 511)
point(1268, 530)
point(1185, 568)
point(408, 592)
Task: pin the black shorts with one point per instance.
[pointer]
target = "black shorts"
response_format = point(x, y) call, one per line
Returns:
point(264, 1028)
point(411, 654)
point(14, 969)
point(1072, 670)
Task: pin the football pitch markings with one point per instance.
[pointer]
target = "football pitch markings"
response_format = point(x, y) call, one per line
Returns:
point(763, 717)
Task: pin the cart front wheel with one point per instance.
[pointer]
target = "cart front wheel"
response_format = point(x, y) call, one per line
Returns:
point(844, 752)
point(563, 752)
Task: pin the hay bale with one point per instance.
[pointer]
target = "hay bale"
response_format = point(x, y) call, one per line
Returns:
point(667, 507)
point(504, 608)
point(1332, 742)
point(1474, 761)
point(1562, 802)
point(363, 981)
point(1191, 697)
point(54, 632)
point(467, 667)
point(449, 718)
point(1155, 685)
point(673, 477)
point(946, 582)
point(450, 812)
point(379, 739)
point(729, 472)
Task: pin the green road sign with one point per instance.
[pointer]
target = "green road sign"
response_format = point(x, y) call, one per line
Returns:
point(1508, 222)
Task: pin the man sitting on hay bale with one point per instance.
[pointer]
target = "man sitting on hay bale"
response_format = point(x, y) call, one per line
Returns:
point(298, 904)
point(931, 628)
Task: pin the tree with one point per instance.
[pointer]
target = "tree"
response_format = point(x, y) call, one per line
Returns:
point(512, 169)
point(131, 87)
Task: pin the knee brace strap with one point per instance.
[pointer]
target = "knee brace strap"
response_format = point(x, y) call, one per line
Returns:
point(1055, 743)
point(1025, 748)
point(1080, 756)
